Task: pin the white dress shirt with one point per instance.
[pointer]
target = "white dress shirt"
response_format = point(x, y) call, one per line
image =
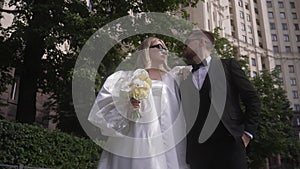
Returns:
point(200, 74)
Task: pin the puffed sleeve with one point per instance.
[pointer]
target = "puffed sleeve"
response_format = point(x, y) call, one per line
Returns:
point(180, 73)
point(105, 114)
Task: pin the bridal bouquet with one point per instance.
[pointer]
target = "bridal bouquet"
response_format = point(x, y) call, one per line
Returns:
point(138, 87)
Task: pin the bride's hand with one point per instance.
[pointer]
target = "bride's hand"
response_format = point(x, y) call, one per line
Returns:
point(135, 103)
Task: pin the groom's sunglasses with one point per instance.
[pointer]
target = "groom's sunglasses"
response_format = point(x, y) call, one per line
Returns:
point(159, 46)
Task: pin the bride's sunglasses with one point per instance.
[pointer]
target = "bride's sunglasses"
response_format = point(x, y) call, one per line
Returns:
point(159, 46)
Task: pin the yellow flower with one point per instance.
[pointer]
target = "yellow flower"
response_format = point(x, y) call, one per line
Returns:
point(138, 87)
point(140, 93)
point(141, 87)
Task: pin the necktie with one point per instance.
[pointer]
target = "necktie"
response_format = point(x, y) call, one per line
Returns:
point(198, 66)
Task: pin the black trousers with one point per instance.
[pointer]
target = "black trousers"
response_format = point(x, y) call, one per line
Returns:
point(224, 153)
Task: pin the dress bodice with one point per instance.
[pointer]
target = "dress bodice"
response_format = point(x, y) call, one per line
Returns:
point(157, 90)
point(149, 142)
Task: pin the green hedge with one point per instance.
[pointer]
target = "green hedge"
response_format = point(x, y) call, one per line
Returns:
point(38, 147)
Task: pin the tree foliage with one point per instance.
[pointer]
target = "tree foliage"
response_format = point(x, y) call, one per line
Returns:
point(34, 47)
point(275, 134)
point(222, 45)
point(225, 49)
point(31, 43)
point(5, 68)
point(38, 147)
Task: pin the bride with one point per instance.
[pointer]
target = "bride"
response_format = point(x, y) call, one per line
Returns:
point(146, 132)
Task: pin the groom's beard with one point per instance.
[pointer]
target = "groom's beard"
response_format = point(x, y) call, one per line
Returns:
point(191, 58)
point(189, 54)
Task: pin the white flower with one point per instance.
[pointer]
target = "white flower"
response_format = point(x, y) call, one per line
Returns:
point(138, 86)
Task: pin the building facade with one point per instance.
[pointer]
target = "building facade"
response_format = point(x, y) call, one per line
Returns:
point(243, 25)
point(266, 31)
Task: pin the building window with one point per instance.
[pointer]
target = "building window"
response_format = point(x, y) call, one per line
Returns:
point(278, 67)
point(298, 123)
point(284, 26)
point(270, 15)
point(243, 27)
point(244, 38)
point(15, 89)
point(256, 10)
point(272, 26)
point(246, 5)
point(296, 26)
point(286, 38)
point(248, 17)
point(298, 38)
point(269, 4)
point(295, 94)
point(298, 49)
point(253, 61)
point(292, 4)
point(259, 33)
point(288, 49)
point(257, 22)
point(280, 4)
point(275, 49)
point(291, 69)
point(251, 41)
point(282, 15)
point(254, 74)
point(240, 3)
point(293, 81)
point(274, 37)
point(249, 29)
point(241, 14)
point(280, 80)
point(294, 15)
point(296, 107)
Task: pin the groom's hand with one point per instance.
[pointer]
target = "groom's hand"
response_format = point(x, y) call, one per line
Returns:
point(246, 139)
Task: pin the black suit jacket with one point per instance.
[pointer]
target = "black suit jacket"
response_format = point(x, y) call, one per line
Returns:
point(224, 88)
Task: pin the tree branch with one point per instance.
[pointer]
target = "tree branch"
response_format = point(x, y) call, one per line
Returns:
point(11, 11)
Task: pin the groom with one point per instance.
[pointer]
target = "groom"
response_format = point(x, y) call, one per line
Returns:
point(220, 130)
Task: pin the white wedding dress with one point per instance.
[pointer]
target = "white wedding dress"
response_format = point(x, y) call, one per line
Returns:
point(154, 141)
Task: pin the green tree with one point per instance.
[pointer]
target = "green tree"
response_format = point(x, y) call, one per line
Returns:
point(275, 134)
point(224, 49)
point(5, 67)
point(39, 27)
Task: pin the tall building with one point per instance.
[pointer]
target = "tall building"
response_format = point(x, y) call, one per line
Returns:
point(283, 17)
point(266, 31)
point(243, 23)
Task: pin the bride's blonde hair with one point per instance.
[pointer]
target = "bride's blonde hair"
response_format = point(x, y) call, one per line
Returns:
point(144, 60)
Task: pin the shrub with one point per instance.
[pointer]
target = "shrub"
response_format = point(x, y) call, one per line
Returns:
point(38, 147)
